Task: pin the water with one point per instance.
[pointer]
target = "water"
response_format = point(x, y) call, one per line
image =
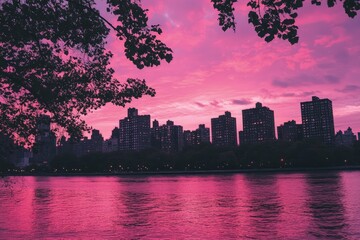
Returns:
point(323, 205)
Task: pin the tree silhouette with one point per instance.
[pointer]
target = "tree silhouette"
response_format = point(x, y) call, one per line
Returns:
point(53, 61)
point(275, 18)
point(53, 58)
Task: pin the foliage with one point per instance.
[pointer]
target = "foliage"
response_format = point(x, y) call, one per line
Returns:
point(275, 18)
point(53, 61)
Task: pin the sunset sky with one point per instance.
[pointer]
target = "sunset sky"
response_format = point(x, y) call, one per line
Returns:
point(215, 71)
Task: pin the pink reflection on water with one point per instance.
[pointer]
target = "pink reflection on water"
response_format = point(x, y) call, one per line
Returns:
point(228, 206)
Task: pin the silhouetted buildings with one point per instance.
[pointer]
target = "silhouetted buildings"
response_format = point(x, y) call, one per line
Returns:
point(45, 141)
point(112, 144)
point(13, 154)
point(347, 138)
point(85, 146)
point(189, 139)
point(199, 136)
point(134, 131)
point(171, 137)
point(223, 130)
point(168, 137)
point(290, 131)
point(258, 125)
point(96, 141)
point(156, 135)
point(317, 119)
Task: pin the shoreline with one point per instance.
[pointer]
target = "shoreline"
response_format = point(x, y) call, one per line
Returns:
point(190, 172)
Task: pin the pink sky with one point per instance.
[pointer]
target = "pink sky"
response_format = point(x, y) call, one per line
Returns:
point(215, 71)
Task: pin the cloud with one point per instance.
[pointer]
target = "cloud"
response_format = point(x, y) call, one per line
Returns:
point(349, 88)
point(331, 79)
point(200, 104)
point(215, 103)
point(242, 101)
point(310, 93)
point(304, 80)
point(337, 36)
point(302, 59)
point(301, 94)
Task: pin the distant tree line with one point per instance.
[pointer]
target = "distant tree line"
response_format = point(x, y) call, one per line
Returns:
point(277, 154)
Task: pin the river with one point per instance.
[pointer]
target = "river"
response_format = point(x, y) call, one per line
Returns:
point(311, 205)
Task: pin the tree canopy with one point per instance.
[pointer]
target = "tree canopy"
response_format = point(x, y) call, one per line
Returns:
point(53, 61)
point(275, 18)
point(53, 56)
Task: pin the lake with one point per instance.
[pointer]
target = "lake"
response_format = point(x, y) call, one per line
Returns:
point(310, 205)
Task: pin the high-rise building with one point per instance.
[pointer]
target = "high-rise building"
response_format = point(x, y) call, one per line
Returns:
point(134, 131)
point(172, 139)
point(155, 135)
point(188, 138)
point(258, 125)
point(223, 130)
point(45, 141)
point(96, 141)
point(290, 131)
point(111, 145)
point(241, 137)
point(199, 136)
point(317, 119)
point(202, 135)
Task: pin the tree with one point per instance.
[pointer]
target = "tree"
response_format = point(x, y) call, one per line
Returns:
point(275, 18)
point(53, 58)
point(53, 61)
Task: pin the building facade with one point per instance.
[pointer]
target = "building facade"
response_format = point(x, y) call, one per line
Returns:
point(134, 131)
point(317, 120)
point(199, 136)
point(171, 137)
point(156, 135)
point(290, 131)
point(223, 130)
point(258, 125)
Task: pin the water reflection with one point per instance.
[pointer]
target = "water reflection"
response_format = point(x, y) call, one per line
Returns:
point(234, 206)
point(42, 205)
point(324, 202)
point(228, 207)
point(264, 205)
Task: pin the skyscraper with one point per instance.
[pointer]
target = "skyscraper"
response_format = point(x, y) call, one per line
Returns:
point(317, 119)
point(223, 130)
point(258, 125)
point(134, 131)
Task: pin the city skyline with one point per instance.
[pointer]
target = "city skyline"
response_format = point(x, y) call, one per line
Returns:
point(215, 71)
point(237, 121)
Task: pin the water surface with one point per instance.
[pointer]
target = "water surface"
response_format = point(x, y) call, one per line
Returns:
point(322, 205)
